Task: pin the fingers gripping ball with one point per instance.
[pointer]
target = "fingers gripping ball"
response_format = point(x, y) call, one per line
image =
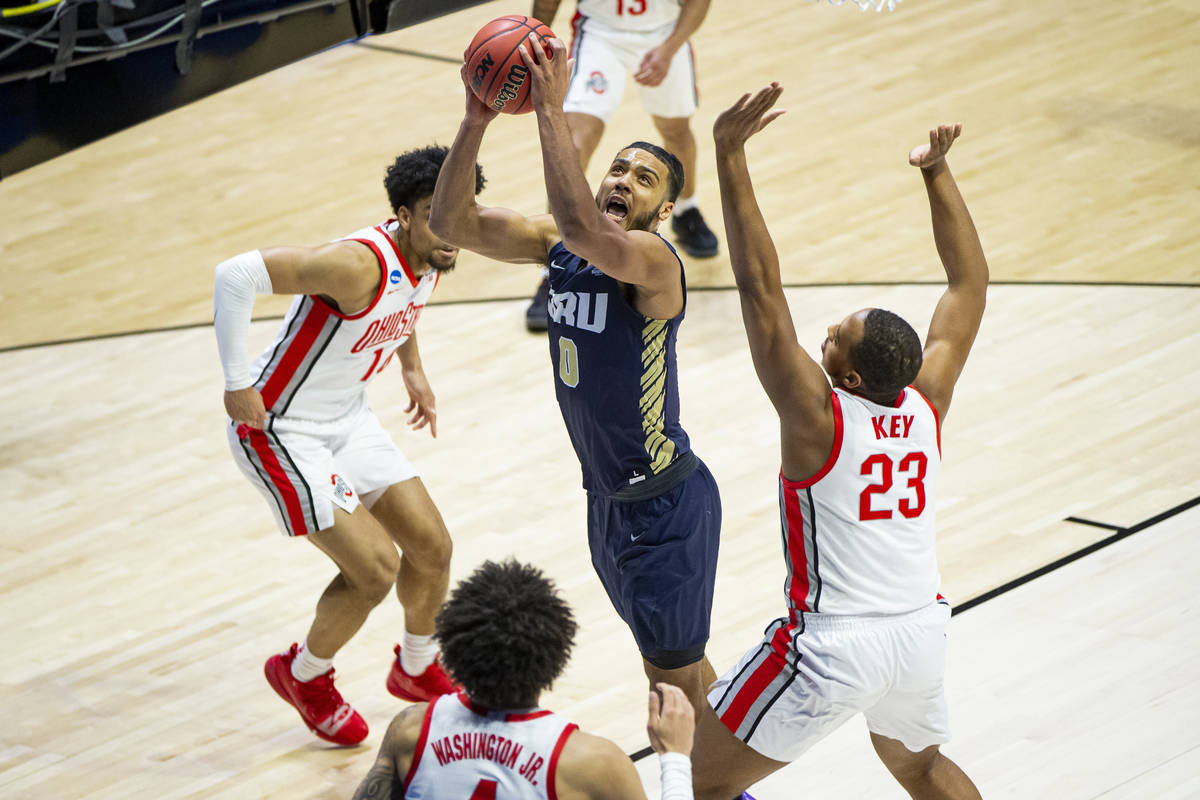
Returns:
point(497, 73)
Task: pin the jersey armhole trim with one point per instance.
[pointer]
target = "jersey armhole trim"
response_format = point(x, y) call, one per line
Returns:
point(416, 759)
point(383, 279)
point(412, 277)
point(552, 769)
point(937, 421)
point(833, 453)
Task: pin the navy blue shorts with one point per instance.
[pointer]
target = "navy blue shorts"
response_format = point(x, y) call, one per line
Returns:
point(657, 559)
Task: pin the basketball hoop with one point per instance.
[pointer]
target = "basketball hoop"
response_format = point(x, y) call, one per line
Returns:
point(866, 5)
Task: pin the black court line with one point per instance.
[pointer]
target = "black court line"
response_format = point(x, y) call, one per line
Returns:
point(1121, 533)
point(480, 300)
point(403, 52)
point(1094, 524)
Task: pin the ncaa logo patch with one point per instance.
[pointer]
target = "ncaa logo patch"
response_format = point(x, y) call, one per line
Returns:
point(597, 83)
point(395, 276)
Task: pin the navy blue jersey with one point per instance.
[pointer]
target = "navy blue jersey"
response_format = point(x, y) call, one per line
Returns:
point(615, 376)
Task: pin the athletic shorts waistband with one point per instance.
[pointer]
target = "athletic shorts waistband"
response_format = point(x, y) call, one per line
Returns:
point(675, 473)
point(848, 622)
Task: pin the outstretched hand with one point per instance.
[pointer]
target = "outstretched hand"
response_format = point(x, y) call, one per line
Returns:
point(746, 117)
point(940, 140)
point(550, 73)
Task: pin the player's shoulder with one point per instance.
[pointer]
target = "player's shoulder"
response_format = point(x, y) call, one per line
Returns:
point(588, 761)
point(405, 728)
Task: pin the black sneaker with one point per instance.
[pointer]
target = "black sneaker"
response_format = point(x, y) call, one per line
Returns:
point(693, 235)
point(537, 316)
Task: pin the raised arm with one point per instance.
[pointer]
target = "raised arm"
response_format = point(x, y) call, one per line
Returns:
point(637, 257)
point(794, 382)
point(346, 273)
point(456, 218)
point(960, 310)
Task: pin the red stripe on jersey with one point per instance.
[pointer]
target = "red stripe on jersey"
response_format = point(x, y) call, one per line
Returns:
point(833, 453)
point(412, 278)
point(528, 715)
point(937, 421)
point(759, 680)
point(291, 498)
point(551, 791)
point(797, 555)
point(412, 768)
point(383, 279)
point(296, 351)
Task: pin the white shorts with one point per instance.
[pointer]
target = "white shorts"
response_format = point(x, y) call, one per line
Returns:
point(797, 686)
point(305, 469)
point(605, 57)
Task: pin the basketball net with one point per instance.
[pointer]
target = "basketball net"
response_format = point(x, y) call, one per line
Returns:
point(866, 5)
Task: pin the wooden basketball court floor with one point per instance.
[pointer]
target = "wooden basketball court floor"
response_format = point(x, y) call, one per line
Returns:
point(142, 583)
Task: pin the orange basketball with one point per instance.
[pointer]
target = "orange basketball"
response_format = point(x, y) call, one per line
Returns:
point(496, 70)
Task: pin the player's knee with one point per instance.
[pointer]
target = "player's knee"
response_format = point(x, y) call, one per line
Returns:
point(375, 583)
point(432, 552)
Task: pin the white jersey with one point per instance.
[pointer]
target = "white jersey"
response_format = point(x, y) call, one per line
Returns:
point(321, 362)
point(466, 751)
point(859, 536)
point(630, 15)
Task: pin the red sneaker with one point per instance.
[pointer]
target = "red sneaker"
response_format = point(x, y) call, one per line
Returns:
point(431, 683)
point(320, 705)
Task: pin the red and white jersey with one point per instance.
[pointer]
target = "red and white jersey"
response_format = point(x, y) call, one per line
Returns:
point(630, 15)
point(322, 360)
point(859, 536)
point(466, 751)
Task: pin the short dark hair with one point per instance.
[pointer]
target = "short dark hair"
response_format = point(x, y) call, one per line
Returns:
point(414, 174)
point(674, 167)
point(505, 634)
point(888, 357)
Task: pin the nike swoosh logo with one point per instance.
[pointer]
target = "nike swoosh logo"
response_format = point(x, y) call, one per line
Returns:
point(633, 538)
point(556, 265)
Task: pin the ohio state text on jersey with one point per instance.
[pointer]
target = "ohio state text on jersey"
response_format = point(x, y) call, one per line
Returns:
point(322, 360)
point(468, 751)
point(859, 535)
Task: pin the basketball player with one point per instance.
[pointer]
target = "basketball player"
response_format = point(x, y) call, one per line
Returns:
point(506, 635)
point(648, 39)
point(617, 299)
point(865, 629)
point(301, 431)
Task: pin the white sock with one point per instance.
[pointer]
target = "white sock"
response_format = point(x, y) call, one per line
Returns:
point(684, 204)
point(306, 666)
point(417, 653)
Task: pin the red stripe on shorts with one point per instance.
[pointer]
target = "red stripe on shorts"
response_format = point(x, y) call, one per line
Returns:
point(759, 680)
point(291, 498)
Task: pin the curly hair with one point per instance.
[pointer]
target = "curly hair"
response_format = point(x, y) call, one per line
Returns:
point(414, 174)
point(673, 165)
point(888, 358)
point(505, 634)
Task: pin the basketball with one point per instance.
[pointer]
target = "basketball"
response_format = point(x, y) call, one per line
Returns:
point(497, 72)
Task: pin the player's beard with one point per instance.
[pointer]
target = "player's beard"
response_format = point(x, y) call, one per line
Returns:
point(647, 221)
point(440, 262)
